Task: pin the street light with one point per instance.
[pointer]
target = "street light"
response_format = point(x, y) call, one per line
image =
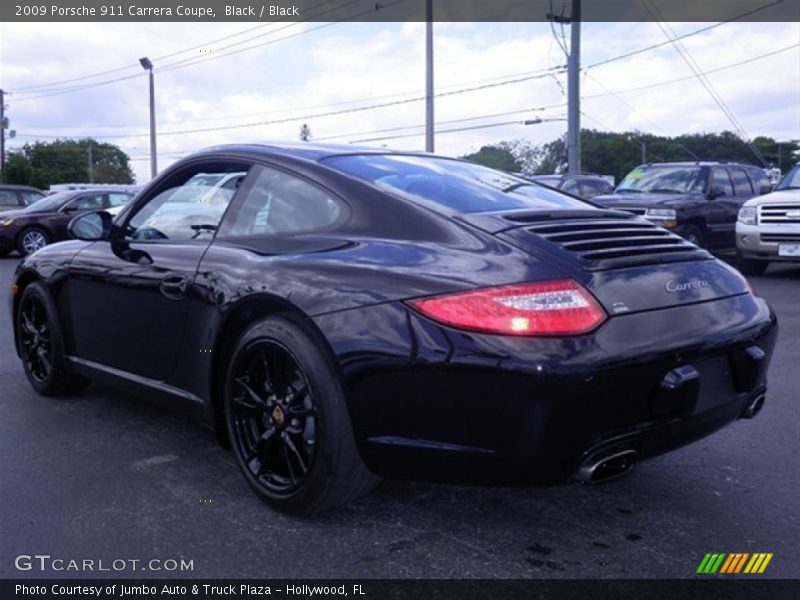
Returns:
point(148, 66)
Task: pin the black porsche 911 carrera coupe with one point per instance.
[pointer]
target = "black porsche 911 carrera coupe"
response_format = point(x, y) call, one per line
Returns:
point(339, 314)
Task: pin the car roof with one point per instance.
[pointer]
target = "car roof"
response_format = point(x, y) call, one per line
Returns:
point(699, 163)
point(307, 150)
point(13, 186)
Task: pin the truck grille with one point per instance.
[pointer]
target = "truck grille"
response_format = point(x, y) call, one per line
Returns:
point(776, 238)
point(779, 213)
point(632, 209)
point(610, 243)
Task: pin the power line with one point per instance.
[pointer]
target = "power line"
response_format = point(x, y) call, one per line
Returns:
point(633, 108)
point(709, 87)
point(630, 141)
point(196, 60)
point(163, 56)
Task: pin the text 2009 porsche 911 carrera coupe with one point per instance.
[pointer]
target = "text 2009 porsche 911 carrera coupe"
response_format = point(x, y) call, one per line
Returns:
point(340, 313)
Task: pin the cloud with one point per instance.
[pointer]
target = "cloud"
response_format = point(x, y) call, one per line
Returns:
point(327, 69)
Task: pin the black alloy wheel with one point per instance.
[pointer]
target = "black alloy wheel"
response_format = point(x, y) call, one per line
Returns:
point(287, 420)
point(41, 345)
point(274, 416)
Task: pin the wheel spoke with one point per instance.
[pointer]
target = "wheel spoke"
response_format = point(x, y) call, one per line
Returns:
point(41, 353)
point(27, 324)
point(254, 451)
point(258, 401)
point(301, 462)
point(288, 460)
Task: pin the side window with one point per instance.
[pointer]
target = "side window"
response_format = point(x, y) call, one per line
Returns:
point(721, 180)
point(29, 198)
point(760, 180)
point(8, 198)
point(280, 204)
point(571, 187)
point(190, 206)
point(117, 199)
point(89, 202)
point(740, 182)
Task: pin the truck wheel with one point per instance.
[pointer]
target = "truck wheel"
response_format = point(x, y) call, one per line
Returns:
point(694, 235)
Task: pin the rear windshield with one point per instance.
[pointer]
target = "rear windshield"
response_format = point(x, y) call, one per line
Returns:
point(461, 186)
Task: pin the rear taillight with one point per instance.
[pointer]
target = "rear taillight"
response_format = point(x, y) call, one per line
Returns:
point(547, 308)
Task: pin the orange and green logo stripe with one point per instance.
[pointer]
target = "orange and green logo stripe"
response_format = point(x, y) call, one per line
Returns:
point(735, 562)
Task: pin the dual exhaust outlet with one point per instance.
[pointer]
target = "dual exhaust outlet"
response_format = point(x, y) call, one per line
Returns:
point(613, 464)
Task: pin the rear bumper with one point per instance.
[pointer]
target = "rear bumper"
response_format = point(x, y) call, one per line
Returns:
point(433, 403)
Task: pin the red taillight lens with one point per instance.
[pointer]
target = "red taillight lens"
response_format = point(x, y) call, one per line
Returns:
point(548, 308)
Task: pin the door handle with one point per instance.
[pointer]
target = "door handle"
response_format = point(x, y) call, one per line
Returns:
point(174, 286)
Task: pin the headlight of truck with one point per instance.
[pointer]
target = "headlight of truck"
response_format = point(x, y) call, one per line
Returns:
point(666, 217)
point(747, 215)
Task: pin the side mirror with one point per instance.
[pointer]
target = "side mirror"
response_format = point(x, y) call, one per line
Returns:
point(765, 189)
point(91, 226)
point(715, 192)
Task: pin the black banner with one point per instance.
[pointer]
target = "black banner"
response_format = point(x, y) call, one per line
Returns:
point(733, 588)
point(396, 10)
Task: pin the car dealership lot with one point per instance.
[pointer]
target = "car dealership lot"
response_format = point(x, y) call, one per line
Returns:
point(105, 476)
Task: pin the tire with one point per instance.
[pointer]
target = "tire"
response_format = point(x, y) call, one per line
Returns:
point(42, 346)
point(694, 235)
point(31, 239)
point(288, 422)
point(751, 266)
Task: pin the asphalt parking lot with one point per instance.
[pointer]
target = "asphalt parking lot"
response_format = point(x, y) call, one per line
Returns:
point(105, 476)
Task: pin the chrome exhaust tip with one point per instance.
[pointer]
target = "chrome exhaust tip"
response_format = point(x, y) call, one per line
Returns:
point(755, 406)
point(608, 467)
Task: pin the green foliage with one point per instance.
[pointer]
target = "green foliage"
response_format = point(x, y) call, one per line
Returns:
point(497, 156)
point(43, 164)
point(618, 153)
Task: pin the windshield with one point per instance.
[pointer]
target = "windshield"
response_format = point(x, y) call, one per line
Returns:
point(791, 181)
point(51, 202)
point(664, 180)
point(458, 185)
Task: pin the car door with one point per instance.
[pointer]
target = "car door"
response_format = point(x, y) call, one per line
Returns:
point(128, 296)
point(718, 208)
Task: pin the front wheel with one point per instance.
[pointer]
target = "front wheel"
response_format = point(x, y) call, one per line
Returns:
point(287, 420)
point(41, 344)
point(694, 235)
point(751, 266)
point(31, 240)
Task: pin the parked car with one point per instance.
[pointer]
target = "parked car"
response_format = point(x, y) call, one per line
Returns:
point(699, 201)
point(357, 313)
point(584, 186)
point(768, 228)
point(14, 197)
point(45, 221)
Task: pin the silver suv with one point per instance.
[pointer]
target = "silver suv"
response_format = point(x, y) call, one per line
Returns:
point(768, 227)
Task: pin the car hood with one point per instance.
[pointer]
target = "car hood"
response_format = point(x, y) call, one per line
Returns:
point(663, 200)
point(776, 197)
point(15, 213)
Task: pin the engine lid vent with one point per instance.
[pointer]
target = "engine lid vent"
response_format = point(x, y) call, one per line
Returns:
point(610, 243)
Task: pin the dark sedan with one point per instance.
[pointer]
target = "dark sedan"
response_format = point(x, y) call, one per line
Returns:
point(344, 313)
point(45, 221)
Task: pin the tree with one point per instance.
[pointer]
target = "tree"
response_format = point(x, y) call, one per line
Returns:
point(305, 133)
point(43, 164)
point(496, 156)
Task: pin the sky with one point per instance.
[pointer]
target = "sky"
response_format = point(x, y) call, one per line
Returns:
point(247, 82)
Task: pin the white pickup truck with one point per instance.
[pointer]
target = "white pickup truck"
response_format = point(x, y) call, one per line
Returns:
point(768, 227)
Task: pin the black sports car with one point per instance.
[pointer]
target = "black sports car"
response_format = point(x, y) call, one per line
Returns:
point(340, 313)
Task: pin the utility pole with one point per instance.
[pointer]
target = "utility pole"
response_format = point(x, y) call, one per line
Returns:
point(429, 145)
point(91, 164)
point(644, 153)
point(147, 65)
point(574, 91)
point(2, 137)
